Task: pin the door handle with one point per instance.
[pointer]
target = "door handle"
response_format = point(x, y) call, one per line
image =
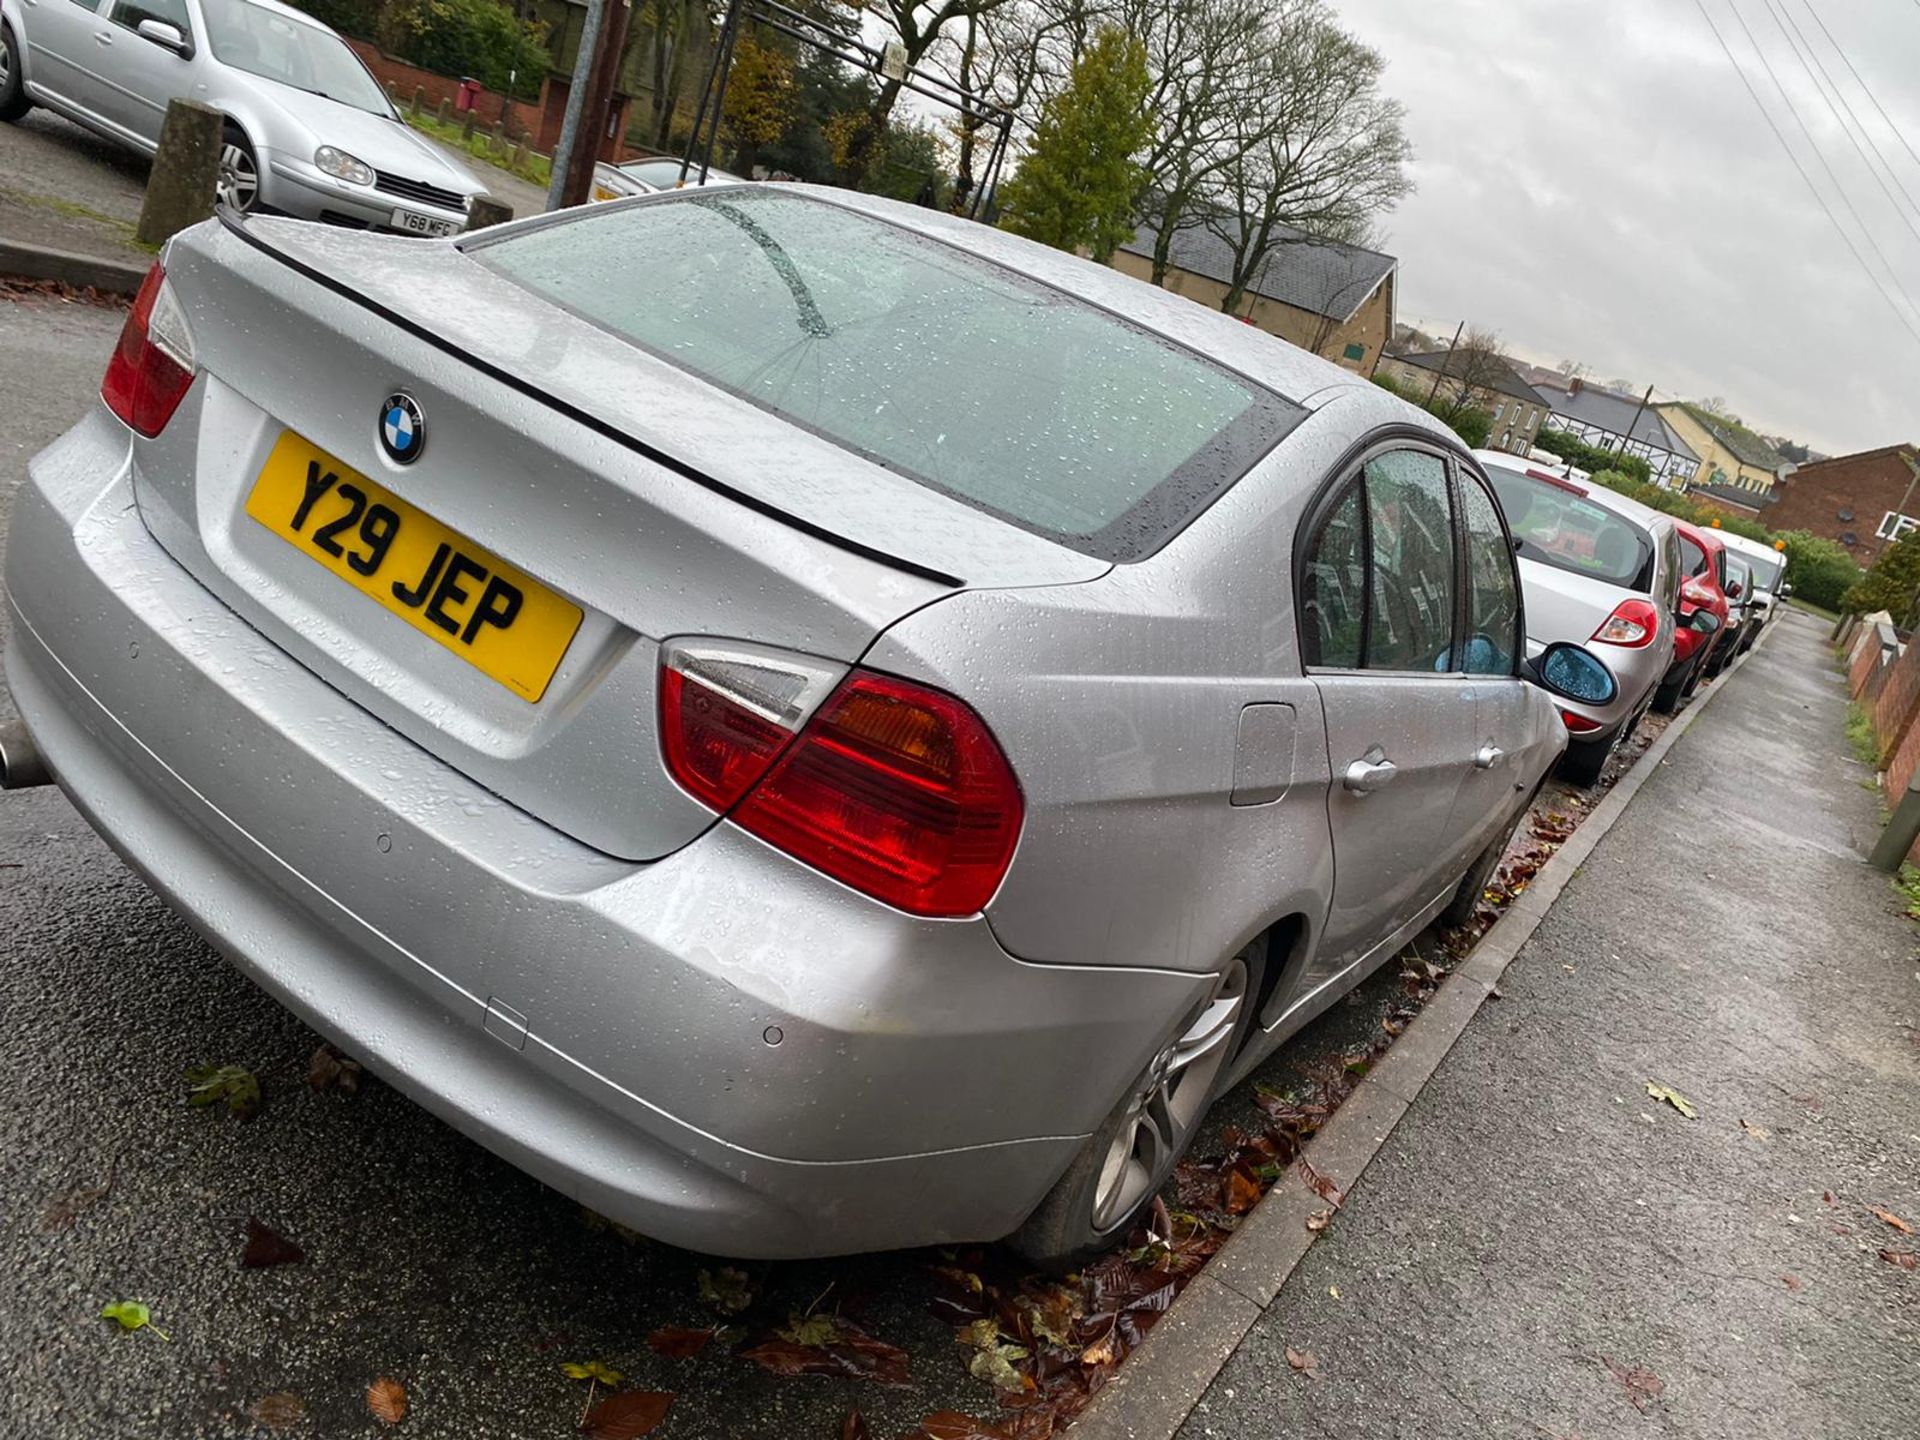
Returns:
point(1484, 757)
point(1363, 777)
point(101, 37)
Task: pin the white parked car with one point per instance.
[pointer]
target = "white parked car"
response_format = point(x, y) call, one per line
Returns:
point(309, 131)
point(649, 177)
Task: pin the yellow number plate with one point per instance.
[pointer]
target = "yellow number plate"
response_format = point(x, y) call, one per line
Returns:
point(504, 623)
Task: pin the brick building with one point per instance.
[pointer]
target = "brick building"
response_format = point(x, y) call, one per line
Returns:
point(1865, 501)
point(1491, 384)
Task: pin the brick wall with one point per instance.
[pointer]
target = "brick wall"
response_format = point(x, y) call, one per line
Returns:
point(1898, 702)
point(402, 79)
point(1865, 486)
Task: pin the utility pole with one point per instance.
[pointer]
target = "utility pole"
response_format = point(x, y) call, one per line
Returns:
point(597, 111)
point(1636, 419)
point(1458, 331)
point(576, 98)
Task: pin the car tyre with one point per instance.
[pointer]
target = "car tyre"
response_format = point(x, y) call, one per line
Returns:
point(1672, 692)
point(13, 82)
point(1584, 760)
point(1466, 896)
point(1111, 1181)
point(239, 182)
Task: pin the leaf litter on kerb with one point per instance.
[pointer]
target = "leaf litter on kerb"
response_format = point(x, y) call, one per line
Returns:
point(1674, 1098)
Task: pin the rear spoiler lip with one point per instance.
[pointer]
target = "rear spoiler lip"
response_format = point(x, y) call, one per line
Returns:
point(236, 225)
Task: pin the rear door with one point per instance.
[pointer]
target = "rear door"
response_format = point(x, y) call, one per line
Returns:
point(1509, 725)
point(1379, 595)
point(66, 41)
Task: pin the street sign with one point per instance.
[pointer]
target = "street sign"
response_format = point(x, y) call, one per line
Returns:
point(893, 61)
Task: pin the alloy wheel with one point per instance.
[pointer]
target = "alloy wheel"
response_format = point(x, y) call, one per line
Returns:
point(1168, 1100)
point(239, 182)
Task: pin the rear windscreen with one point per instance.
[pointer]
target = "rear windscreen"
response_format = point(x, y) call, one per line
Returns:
point(1563, 528)
point(1766, 571)
point(956, 372)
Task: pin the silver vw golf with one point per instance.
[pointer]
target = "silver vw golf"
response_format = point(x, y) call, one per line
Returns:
point(309, 132)
point(808, 724)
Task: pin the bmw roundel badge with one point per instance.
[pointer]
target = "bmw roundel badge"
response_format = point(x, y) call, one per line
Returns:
point(403, 431)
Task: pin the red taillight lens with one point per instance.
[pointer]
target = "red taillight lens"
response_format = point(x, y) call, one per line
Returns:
point(1578, 724)
point(896, 790)
point(145, 382)
point(715, 746)
point(1633, 623)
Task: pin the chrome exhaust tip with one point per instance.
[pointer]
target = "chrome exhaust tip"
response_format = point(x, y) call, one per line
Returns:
point(21, 765)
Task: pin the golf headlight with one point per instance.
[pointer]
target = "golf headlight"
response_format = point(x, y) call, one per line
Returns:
point(343, 166)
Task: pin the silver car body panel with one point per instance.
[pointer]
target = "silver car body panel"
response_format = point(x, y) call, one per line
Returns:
point(516, 916)
point(116, 82)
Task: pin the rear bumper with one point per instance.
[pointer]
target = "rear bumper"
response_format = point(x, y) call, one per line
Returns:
point(608, 1027)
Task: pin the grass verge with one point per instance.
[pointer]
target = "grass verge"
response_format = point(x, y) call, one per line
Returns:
point(1860, 737)
point(1830, 616)
point(535, 168)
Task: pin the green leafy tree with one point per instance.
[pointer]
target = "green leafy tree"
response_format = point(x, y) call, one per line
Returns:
point(1892, 585)
point(1077, 184)
point(1820, 570)
point(1578, 452)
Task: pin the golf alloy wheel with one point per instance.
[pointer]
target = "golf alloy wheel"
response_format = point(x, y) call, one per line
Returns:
point(239, 184)
point(1168, 1101)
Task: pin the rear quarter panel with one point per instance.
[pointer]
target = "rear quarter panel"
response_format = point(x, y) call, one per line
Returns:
point(1119, 702)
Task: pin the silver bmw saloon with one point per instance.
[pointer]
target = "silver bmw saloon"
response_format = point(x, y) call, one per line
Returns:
point(808, 724)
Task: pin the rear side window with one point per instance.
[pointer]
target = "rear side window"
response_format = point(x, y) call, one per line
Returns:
point(948, 369)
point(1693, 559)
point(1559, 526)
point(1379, 578)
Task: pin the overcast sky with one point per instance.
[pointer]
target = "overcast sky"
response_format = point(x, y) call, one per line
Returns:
point(1596, 185)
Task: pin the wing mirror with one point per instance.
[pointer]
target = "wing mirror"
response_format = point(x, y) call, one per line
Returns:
point(1573, 673)
point(1785, 590)
point(1705, 621)
point(167, 37)
point(1735, 590)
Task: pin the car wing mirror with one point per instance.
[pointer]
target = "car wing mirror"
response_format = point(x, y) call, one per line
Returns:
point(1734, 590)
point(167, 37)
point(1705, 621)
point(1785, 590)
point(1573, 673)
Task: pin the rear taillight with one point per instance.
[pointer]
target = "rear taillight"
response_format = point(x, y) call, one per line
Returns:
point(1633, 623)
point(152, 366)
point(1578, 724)
point(892, 788)
point(1694, 593)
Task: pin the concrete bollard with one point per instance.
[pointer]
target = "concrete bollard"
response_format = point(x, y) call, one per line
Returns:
point(520, 155)
point(487, 211)
point(498, 142)
point(466, 128)
point(445, 110)
point(393, 93)
point(185, 174)
point(419, 99)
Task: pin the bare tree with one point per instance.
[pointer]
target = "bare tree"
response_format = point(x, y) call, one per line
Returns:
point(919, 25)
point(1470, 377)
point(1321, 151)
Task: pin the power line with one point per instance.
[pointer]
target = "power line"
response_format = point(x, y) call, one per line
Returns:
point(1784, 18)
point(1898, 134)
point(1821, 155)
point(1780, 136)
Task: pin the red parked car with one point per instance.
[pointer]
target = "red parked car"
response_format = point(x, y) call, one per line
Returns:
point(1703, 566)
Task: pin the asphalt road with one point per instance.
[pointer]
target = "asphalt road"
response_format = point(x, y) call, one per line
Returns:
point(427, 1259)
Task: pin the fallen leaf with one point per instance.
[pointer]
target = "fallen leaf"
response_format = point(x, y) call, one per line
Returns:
point(1827, 1196)
point(1321, 1185)
point(132, 1315)
point(1889, 1218)
point(999, 1366)
point(854, 1427)
point(1243, 1191)
point(593, 1370)
point(65, 1206)
point(1319, 1220)
point(1643, 1387)
point(1334, 1291)
point(810, 1329)
point(1756, 1131)
point(628, 1416)
point(728, 1290)
point(265, 1247)
point(1304, 1361)
point(1673, 1098)
point(1791, 1282)
point(387, 1399)
point(851, 1353)
point(281, 1410)
point(1104, 1351)
point(210, 1084)
point(1905, 1259)
point(678, 1344)
point(952, 1425)
point(330, 1070)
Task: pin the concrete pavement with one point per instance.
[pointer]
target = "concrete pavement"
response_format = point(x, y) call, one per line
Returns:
point(1542, 1249)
